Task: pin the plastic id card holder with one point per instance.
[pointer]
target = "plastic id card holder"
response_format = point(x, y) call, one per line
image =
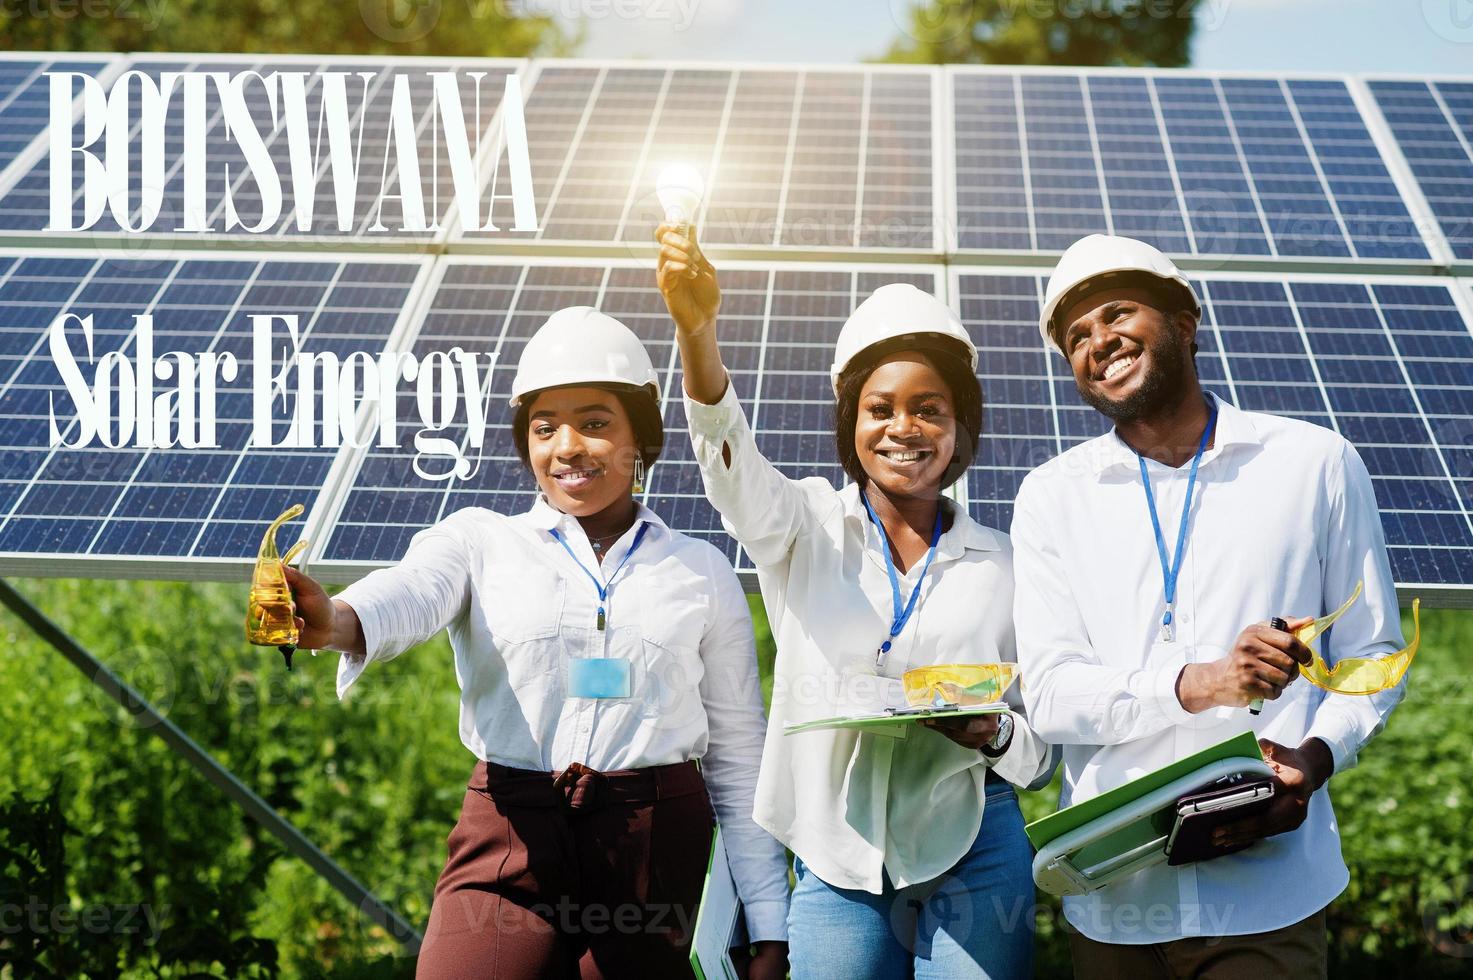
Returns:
point(599, 677)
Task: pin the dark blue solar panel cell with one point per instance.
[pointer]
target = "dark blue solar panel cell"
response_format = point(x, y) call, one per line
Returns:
point(25, 99)
point(1433, 125)
point(1220, 200)
point(1290, 192)
point(1370, 206)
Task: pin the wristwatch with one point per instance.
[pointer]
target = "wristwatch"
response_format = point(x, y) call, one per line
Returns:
point(1004, 737)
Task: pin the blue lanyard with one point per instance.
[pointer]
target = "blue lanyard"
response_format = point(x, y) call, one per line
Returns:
point(901, 613)
point(1170, 570)
point(603, 590)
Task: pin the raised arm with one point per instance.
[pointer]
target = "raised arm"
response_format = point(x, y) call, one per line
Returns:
point(760, 507)
point(688, 283)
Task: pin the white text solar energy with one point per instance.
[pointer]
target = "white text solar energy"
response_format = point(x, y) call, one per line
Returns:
point(171, 503)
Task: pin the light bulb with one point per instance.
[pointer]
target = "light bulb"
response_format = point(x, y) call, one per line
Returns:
point(679, 189)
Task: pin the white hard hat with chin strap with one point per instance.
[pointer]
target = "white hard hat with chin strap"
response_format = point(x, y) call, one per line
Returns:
point(894, 314)
point(1099, 262)
point(581, 346)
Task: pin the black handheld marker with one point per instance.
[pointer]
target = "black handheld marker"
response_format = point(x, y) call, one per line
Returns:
point(1278, 623)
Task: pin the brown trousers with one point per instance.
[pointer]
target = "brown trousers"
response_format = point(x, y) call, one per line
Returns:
point(578, 874)
point(1300, 951)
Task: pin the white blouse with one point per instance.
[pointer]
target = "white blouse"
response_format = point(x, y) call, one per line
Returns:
point(853, 805)
point(519, 609)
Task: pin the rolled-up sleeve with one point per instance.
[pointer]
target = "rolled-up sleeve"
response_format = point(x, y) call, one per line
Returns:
point(760, 507)
point(1356, 552)
point(731, 692)
point(413, 600)
point(1072, 698)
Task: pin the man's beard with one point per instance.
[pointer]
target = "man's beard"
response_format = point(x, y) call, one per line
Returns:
point(1159, 389)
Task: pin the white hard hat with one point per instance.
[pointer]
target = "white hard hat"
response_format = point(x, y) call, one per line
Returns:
point(581, 346)
point(896, 312)
point(1091, 263)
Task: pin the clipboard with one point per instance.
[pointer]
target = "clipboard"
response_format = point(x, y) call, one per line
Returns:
point(1084, 847)
point(719, 925)
point(894, 718)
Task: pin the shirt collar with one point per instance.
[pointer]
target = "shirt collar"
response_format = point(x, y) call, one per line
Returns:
point(1234, 427)
point(544, 516)
point(964, 534)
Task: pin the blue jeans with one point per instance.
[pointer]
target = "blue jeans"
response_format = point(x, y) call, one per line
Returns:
point(974, 921)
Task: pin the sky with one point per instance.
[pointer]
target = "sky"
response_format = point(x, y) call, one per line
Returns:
point(1417, 36)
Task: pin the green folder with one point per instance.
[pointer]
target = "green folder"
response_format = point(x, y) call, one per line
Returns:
point(895, 717)
point(1040, 832)
point(719, 925)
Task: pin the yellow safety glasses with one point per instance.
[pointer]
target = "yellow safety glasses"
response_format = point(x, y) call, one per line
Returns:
point(270, 616)
point(1357, 675)
point(961, 684)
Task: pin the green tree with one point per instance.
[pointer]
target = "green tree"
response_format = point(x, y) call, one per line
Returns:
point(1046, 32)
point(462, 28)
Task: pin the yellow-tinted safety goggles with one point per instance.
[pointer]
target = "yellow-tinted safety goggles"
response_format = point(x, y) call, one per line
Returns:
point(962, 684)
point(1358, 675)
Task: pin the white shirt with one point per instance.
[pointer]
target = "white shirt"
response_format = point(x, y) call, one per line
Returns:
point(853, 805)
point(1283, 523)
point(519, 610)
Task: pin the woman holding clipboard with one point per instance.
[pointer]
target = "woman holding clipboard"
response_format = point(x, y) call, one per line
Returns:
point(910, 853)
point(599, 654)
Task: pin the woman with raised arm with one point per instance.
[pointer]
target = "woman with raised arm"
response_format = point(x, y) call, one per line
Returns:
point(599, 654)
point(909, 850)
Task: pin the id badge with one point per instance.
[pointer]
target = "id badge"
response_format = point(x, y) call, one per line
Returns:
point(599, 677)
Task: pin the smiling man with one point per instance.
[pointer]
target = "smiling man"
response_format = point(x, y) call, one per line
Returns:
point(1149, 561)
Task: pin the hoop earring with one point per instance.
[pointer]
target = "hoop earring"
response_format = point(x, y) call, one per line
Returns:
point(638, 475)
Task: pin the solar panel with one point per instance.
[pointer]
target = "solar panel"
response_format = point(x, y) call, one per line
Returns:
point(139, 508)
point(25, 96)
point(1196, 164)
point(1433, 125)
point(1298, 198)
point(25, 208)
point(810, 159)
point(1388, 363)
point(778, 329)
